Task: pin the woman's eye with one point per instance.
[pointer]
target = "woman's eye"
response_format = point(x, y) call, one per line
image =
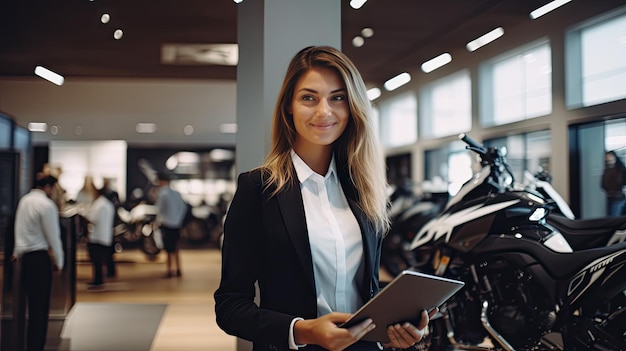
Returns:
point(339, 97)
point(307, 98)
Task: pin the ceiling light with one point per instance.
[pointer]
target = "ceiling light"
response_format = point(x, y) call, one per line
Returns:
point(207, 54)
point(54, 130)
point(49, 75)
point(373, 94)
point(485, 39)
point(118, 34)
point(146, 128)
point(397, 81)
point(188, 130)
point(237, 1)
point(367, 32)
point(437, 62)
point(228, 128)
point(38, 126)
point(547, 8)
point(358, 41)
point(357, 4)
point(105, 18)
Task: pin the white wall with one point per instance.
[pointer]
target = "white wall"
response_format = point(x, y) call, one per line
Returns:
point(109, 109)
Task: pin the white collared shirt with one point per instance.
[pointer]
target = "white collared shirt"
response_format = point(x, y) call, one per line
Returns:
point(101, 215)
point(37, 226)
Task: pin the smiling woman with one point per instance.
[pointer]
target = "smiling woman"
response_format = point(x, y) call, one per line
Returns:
point(313, 215)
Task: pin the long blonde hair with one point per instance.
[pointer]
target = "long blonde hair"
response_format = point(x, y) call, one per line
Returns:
point(357, 147)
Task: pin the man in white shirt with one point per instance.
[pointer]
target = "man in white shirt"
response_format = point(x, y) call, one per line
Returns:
point(100, 215)
point(172, 209)
point(37, 230)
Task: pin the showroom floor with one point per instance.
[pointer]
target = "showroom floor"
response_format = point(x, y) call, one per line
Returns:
point(142, 311)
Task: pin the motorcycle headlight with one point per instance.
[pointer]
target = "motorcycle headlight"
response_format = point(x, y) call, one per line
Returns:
point(538, 214)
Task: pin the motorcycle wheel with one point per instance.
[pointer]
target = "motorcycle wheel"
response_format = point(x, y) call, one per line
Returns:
point(600, 327)
point(149, 247)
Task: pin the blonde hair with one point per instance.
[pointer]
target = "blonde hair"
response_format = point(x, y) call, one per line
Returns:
point(357, 148)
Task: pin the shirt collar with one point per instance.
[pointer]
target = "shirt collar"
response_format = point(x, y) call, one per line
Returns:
point(304, 172)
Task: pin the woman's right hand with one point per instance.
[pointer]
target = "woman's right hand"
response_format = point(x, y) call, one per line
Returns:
point(325, 331)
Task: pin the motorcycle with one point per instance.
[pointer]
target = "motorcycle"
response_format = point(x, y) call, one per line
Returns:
point(135, 229)
point(580, 233)
point(525, 288)
point(408, 213)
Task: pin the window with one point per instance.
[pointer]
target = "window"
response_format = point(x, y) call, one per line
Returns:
point(517, 85)
point(398, 118)
point(446, 106)
point(525, 152)
point(448, 167)
point(596, 72)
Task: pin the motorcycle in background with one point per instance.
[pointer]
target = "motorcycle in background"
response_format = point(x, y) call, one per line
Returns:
point(525, 288)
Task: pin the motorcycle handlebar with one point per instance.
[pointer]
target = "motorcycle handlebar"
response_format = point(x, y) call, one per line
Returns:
point(472, 143)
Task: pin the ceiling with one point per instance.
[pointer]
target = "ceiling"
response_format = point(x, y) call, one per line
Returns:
point(68, 37)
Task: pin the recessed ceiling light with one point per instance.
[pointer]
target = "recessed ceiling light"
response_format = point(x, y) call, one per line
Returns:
point(358, 41)
point(373, 94)
point(146, 128)
point(188, 130)
point(485, 39)
point(105, 18)
point(367, 32)
point(78, 130)
point(118, 34)
point(228, 128)
point(437, 62)
point(397, 81)
point(49, 75)
point(357, 4)
point(547, 8)
point(38, 126)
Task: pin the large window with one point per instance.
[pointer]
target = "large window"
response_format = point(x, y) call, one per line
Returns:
point(398, 120)
point(450, 166)
point(446, 106)
point(517, 85)
point(596, 65)
point(526, 152)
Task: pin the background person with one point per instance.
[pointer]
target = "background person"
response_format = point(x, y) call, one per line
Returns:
point(308, 224)
point(171, 212)
point(100, 215)
point(613, 180)
point(37, 230)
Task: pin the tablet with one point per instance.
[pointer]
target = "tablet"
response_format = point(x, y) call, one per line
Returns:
point(403, 299)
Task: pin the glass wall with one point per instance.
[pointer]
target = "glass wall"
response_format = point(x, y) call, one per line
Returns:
point(446, 106)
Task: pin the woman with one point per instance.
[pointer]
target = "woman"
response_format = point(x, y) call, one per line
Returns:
point(308, 224)
point(613, 179)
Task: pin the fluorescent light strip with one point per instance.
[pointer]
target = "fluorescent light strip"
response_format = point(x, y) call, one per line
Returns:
point(373, 94)
point(357, 4)
point(397, 81)
point(547, 8)
point(146, 128)
point(38, 126)
point(485, 39)
point(228, 128)
point(437, 62)
point(49, 75)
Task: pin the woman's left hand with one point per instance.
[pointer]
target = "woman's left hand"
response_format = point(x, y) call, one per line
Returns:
point(405, 335)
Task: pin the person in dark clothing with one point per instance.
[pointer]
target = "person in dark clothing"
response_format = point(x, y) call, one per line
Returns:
point(613, 181)
point(37, 232)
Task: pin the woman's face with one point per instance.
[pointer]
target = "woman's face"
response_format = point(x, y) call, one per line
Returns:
point(320, 108)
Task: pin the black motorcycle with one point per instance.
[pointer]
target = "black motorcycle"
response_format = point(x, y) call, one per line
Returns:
point(525, 288)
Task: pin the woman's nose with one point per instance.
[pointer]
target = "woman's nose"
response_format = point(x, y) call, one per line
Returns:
point(323, 108)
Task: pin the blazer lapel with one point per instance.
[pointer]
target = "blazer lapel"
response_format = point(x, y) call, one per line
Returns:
point(292, 209)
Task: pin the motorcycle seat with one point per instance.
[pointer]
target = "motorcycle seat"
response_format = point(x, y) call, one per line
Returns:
point(565, 265)
point(587, 233)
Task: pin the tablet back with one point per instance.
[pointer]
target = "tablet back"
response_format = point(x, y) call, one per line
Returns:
point(403, 299)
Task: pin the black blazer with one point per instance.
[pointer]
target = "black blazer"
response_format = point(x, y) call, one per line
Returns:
point(266, 240)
